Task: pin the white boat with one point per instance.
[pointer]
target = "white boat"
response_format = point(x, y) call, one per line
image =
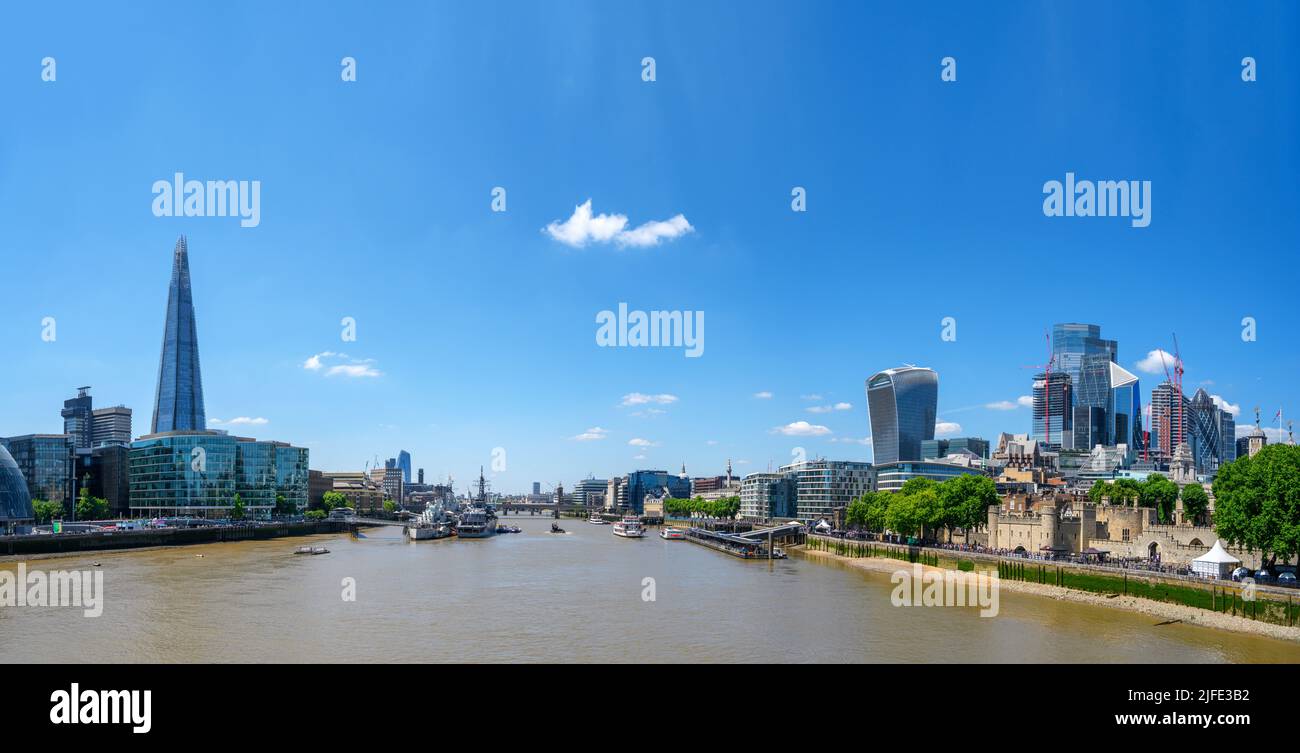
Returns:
point(433, 523)
point(672, 534)
point(629, 527)
point(597, 520)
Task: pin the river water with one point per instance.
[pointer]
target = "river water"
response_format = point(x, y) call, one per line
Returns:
point(542, 597)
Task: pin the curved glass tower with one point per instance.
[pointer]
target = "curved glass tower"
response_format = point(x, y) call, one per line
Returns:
point(178, 402)
point(15, 502)
point(903, 404)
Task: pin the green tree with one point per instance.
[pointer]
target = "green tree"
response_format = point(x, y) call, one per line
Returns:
point(390, 506)
point(966, 500)
point(917, 484)
point(1124, 491)
point(877, 510)
point(91, 508)
point(284, 507)
point(1160, 493)
point(314, 515)
point(1100, 491)
point(331, 500)
point(1257, 503)
point(901, 517)
point(1195, 502)
point(855, 515)
point(237, 509)
point(45, 511)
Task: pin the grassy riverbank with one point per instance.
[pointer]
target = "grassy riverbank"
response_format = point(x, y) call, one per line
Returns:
point(1210, 606)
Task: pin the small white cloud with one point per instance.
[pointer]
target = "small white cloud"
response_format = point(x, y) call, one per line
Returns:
point(945, 428)
point(638, 398)
point(819, 409)
point(590, 435)
point(1224, 405)
point(1025, 401)
point(711, 442)
point(852, 440)
point(240, 421)
point(813, 397)
point(638, 457)
point(844, 406)
point(639, 442)
point(1272, 433)
point(1156, 362)
point(765, 395)
point(345, 366)
point(1002, 405)
point(802, 429)
point(583, 227)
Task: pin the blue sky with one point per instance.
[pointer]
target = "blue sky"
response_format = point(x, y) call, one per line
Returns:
point(476, 330)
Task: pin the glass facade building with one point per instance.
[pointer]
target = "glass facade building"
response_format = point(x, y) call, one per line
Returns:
point(902, 404)
point(15, 502)
point(1053, 418)
point(198, 474)
point(1124, 414)
point(769, 496)
point(1081, 352)
point(178, 400)
point(823, 486)
point(78, 419)
point(46, 462)
point(638, 483)
point(891, 477)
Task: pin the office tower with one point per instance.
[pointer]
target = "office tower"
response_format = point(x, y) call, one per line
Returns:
point(109, 469)
point(902, 404)
point(537, 488)
point(1227, 437)
point(1124, 413)
point(404, 462)
point(15, 503)
point(1169, 416)
point(590, 492)
point(111, 426)
point(1053, 419)
point(178, 401)
point(421, 477)
point(1081, 352)
point(769, 496)
point(78, 419)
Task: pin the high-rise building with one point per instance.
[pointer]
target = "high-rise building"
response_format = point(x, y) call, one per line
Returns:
point(1124, 413)
point(633, 489)
point(537, 488)
point(1170, 413)
point(1081, 352)
point(1212, 433)
point(15, 502)
point(404, 463)
point(78, 419)
point(1053, 418)
point(109, 470)
point(902, 404)
point(590, 492)
point(111, 426)
point(178, 400)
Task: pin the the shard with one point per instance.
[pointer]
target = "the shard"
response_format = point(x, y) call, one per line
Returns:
point(178, 402)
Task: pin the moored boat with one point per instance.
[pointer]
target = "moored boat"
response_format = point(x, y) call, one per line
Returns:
point(672, 534)
point(629, 527)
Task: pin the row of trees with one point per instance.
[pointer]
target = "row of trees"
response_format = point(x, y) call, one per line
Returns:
point(726, 507)
point(1257, 503)
point(922, 503)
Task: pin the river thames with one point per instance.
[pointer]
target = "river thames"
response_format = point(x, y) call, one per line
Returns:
point(542, 597)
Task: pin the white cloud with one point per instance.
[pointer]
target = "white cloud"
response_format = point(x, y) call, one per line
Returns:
point(942, 428)
point(638, 398)
point(1273, 433)
point(802, 429)
point(639, 442)
point(813, 396)
point(1156, 362)
point(1026, 401)
point(1235, 410)
point(844, 406)
point(591, 434)
point(819, 409)
point(348, 366)
point(764, 395)
point(638, 457)
point(1002, 405)
point(852, 440)
point(711, 442)
point(240, 421)
point(583, 227)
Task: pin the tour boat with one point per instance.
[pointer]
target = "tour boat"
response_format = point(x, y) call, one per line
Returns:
point(629, 527)
point(597, 520)
point(672, 534)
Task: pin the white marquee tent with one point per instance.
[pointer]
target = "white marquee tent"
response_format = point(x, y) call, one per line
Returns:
point(1216, 563)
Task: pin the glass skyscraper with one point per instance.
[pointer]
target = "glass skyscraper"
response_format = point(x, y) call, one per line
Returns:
point(902, 405)
point(1081, 352)
point(178, 401)
point(1053, 420)
point(1124, 414)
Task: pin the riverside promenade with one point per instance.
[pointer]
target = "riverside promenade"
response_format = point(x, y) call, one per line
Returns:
point(60, 543)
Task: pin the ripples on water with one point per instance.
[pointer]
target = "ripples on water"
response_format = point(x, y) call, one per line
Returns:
point(537, 596)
